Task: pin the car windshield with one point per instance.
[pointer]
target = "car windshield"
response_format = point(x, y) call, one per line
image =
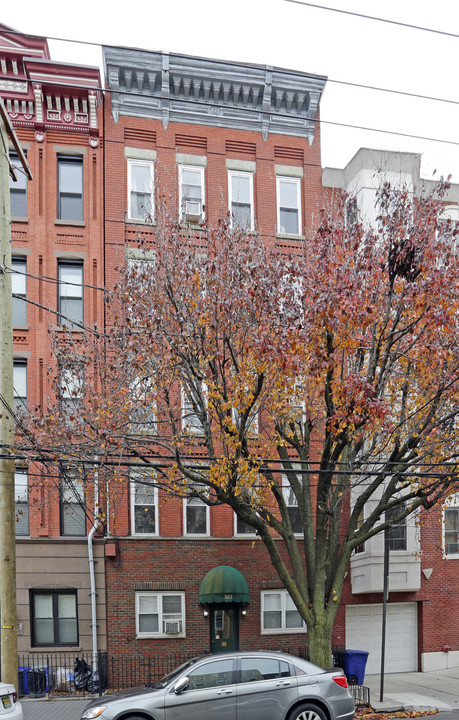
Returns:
point(173, 674)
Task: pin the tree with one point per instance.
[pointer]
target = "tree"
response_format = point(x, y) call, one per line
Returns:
point(294, 388)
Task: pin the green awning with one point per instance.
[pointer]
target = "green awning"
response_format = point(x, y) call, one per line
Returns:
point(223, 584)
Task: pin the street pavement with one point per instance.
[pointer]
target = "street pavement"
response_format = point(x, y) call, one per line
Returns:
point(407, 691)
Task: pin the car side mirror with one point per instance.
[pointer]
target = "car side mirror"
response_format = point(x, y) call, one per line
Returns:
point(181, 685)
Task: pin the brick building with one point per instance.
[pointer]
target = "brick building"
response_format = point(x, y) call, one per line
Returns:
point(222, 136)
point(215, 137)
point(57, 249)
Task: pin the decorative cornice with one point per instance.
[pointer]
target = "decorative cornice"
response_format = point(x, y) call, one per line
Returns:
point(178, 88)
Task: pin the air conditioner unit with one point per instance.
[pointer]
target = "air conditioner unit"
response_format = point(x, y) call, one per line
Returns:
point(192, 218)
point(172, 626)
point(193, 212)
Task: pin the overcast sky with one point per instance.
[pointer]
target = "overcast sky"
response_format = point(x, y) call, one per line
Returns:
point(293, 36)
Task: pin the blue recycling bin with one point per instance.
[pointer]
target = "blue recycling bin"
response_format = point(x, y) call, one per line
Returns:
point(355, 662)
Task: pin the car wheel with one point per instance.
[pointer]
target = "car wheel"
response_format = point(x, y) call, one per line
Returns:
point(307, 711)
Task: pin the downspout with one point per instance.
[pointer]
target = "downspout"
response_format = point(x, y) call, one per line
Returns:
point(92, 578)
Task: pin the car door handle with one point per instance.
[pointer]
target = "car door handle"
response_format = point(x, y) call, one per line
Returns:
point(284, 682)
point(224, 692)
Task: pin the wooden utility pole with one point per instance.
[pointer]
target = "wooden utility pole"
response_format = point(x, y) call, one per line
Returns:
point(9, 644)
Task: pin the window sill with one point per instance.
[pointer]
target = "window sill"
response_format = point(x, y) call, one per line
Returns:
point(163, 636)
point(68, 328)
point(20, 327)
point(56, 648)
point(138, 221)
point(287, 236)
point(19, 219)
point(290, 631)
point(73, 223)
point(451, 556)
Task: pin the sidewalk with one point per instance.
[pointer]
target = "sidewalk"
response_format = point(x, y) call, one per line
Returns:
point(44, 709)
point(416, 691)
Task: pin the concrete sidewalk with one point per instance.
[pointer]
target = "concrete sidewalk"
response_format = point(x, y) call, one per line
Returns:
point(44, 709)
point(419, 691)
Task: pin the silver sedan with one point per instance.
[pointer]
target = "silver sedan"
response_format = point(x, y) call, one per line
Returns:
point(243, 686)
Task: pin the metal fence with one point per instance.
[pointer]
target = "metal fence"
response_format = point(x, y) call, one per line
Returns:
point(65, 673)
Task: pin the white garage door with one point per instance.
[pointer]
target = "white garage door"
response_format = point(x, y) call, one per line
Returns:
point(363, 632)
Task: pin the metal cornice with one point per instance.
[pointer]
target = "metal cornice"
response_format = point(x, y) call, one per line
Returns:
point(180, 88)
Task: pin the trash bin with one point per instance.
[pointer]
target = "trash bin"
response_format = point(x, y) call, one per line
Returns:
point(354, 665)
point(24, 670)
point(21, 676)
point(36, 681)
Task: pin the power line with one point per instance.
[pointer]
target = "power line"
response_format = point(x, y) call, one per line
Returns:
point(364, 16)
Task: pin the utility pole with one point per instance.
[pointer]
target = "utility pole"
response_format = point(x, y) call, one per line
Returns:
point(8, 614)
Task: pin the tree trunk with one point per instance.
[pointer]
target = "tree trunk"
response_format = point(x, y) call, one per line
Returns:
point(320, 648)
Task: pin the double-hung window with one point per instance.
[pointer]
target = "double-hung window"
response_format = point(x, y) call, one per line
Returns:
point(54, 618)
point(144, 504)
point(70, 188)
point(21, 492)
point(191, 193)
point(291, 502)
point(451, 528)
point(19, 290)
point(142, 417)
point(18, 189)
point(288, 205)
point(20, 384)
point(70, 292)
point(195, 514)
point(73, 505)
point(71, 389)
point(240, 190)
point(193, 400)
point(279, 614)
point(140, 189)
point(160, 614)
point(396, 533)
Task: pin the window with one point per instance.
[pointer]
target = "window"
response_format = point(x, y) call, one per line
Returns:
point(144, 504)
point(256, 669)
point(195, 514)
point(252, 422)
point(142, 420)
point(71, 388)
point(21, 492)
point(288, 205)
point(292, 506)
point(279, 614)
point(20, 385)
point(70, 188)
point(396, 534)
point(54, 618)
point(160, 614)
point(451, 527)
point(191, 416)
point(140, 189)
point(241, 199)
point(213, 674)
point(73, 510)
point(19, 289)
point(242, 528)
point(18, 189)
point(70, 292)
point(191, 193)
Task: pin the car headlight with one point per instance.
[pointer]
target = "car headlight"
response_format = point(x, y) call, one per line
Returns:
point(93, 712)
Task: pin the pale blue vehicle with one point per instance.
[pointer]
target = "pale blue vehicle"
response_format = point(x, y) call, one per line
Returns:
point(235, 686)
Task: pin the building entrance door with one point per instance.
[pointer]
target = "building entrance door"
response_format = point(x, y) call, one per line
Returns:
point(224, 627)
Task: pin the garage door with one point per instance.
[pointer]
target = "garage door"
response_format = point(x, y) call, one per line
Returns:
point(363, 632)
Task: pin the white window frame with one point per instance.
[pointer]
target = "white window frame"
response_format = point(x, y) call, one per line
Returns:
point(22, 505)
point(199, 503)
point(286, 488)
point(190, 426)
point(283, 630)
point(247, 174)
point(144, 421)
point(133, 504)
point(19, 287)
point(162, 617)
point(292, 181)
point(451, 504)
point(20, 373)
point(133, 162)
point(68, 290)
point(190, 217)
point(251, 533)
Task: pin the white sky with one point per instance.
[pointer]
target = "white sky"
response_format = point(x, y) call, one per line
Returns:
point(276, 32)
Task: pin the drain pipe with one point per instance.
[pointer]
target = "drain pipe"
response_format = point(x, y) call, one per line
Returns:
point(92, 578)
